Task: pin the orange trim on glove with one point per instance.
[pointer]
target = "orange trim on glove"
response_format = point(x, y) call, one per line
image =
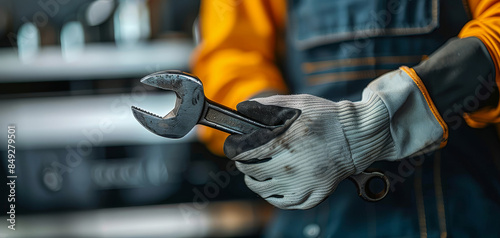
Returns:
point(413, 75)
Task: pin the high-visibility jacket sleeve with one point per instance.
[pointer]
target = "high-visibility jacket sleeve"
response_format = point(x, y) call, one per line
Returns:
point(236, 57)
point(485, 25)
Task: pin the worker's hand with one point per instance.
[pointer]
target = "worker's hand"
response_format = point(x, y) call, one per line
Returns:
point(321, 142)
point(297, 165)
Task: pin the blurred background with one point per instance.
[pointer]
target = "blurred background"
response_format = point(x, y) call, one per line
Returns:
point(69, 72)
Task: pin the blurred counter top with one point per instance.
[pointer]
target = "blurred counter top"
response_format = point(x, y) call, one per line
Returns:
point(215, 219)
point(58, 121)
point(96, 60)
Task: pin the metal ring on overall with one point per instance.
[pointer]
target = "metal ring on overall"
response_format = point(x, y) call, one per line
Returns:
point(362, 181)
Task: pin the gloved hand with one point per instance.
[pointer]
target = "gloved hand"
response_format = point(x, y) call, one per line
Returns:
point(321, 142)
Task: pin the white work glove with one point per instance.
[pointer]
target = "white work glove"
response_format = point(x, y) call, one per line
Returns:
point(297, 165)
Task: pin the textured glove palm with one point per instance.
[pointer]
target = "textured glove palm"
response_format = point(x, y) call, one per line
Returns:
point(303, 161)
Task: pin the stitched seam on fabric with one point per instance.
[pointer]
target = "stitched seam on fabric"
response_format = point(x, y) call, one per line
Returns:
point(467, 9)
point(345, 76)
point(312, 67)
point(439, 195)
point(413, 75)
point(422, 224)
point(343, 36)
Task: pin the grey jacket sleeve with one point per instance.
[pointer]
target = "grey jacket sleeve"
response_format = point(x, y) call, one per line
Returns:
point(460, 78)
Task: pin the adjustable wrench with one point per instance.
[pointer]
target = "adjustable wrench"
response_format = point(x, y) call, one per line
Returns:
point(192, 107)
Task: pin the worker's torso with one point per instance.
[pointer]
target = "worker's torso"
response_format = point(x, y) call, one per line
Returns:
point(334, 49)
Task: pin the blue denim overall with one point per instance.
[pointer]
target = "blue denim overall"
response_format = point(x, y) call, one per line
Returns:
point(334, 49)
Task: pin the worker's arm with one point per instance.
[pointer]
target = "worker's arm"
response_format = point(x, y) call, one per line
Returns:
point(460, 78)
point(236, 56)
point(485, 26)
point(321, 142)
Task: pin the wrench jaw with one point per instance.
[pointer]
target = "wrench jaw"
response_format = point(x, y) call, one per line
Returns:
point(173, 80)
point(189, 104)
point(169, 128)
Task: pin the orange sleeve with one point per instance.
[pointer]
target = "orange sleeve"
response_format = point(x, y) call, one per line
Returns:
point(236, 57)
point(485, 25)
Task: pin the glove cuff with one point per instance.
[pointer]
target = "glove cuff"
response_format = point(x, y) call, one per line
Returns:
point(366, 128)
point(395, 119)
point(415, 125)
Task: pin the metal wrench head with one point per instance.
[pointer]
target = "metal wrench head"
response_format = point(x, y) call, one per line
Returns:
point(188, 105)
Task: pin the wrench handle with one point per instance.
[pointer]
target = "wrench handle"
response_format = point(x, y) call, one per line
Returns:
point(228, 120)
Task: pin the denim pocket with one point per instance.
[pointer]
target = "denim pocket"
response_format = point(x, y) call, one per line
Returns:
point(320, 22)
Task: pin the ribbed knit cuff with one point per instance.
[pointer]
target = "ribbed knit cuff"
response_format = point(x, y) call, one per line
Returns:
point(366, 127)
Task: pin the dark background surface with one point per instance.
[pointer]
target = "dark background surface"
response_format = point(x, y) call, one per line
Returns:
point(123, 171)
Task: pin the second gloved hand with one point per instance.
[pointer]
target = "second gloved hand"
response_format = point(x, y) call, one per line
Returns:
point(297, 165)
